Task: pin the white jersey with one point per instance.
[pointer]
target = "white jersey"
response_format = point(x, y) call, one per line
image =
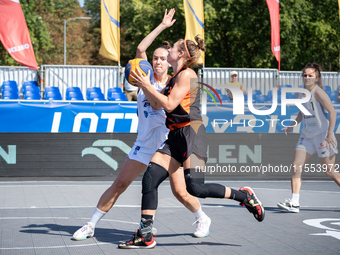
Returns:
point(152, 131)
point(317, 122)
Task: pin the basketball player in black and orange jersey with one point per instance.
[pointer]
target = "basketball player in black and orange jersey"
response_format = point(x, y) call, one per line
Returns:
point(186, 144)
point(151, 134)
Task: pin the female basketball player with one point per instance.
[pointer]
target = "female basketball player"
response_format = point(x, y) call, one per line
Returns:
point(186, 144)
point(151, 134)
point(317, 135)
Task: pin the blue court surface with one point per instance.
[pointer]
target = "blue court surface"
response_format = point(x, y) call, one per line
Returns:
point(39, 217)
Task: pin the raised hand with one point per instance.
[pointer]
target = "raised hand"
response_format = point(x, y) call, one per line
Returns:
point(168, 18)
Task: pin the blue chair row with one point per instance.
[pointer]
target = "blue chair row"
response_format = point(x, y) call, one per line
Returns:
point(92, 94)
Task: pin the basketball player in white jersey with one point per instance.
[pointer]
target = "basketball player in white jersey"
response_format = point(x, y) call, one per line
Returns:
point(152, 132)
point(317, 135)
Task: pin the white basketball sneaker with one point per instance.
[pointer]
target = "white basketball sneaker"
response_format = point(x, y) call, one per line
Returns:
point(84, 232)
point(202, 226)
point(290, 206)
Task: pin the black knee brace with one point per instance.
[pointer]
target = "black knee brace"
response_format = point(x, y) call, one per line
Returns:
point(153, 176)
point(196, 186)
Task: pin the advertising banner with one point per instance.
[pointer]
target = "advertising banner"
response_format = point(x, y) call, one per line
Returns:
point(258, 156)
point(54, 117)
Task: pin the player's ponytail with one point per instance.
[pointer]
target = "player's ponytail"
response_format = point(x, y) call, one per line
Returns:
point(192, 51)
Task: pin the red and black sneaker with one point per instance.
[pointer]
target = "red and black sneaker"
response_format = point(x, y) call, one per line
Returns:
point(252, 203)
point(139, 241)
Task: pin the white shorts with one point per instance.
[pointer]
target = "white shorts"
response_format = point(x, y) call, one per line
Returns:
point(314, 144)
point(141, 154)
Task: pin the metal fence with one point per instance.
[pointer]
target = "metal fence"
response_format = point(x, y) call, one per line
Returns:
point(18, 74)
point(261, 79)
point(64, 76)
point(264, 79)
point(293, 78)
point(84, 77)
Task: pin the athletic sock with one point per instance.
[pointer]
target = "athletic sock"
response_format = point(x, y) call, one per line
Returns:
point(237, 195)
point(295, 198)
point(199, 213)
point(147, 217)
point(96, 216)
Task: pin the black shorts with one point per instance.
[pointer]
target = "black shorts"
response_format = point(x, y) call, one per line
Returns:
point(183, 142)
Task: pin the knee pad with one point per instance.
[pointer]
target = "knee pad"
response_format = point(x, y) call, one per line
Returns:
point(196, 186)
point(153, 176)
point(195, 183)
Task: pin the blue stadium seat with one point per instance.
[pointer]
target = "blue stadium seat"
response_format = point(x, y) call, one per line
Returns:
point(52, 93)
point(218, 91)
point(114, 96)
point(115, 89)
point(74, 93)
point(291, 95)
point(32, 95)
point(260, 99)
point(269, 99)
point(286, 86)
point(257, 92)
point(327, 89)
point(30, 86)
point(95, 96)
point(334, 99)
point(10, 94)
point(9, 86)
point(93, 89)
point(225, 98)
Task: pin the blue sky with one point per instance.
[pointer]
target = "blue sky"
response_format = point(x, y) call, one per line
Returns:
point(81, 2)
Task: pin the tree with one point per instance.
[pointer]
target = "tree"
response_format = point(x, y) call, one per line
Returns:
point(45, 22)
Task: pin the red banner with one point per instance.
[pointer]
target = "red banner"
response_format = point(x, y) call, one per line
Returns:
point(273, 6)
point(14, 33)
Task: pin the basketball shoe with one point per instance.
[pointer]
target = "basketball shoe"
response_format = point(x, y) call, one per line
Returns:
point(289, 205)
point(84, 232)
point(252, 203)
point(202, 226)
point(142, 239)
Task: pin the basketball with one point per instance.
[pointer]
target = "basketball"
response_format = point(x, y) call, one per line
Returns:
point(143, 66)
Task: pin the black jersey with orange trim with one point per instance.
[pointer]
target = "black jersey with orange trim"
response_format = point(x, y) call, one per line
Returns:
point(188, 110)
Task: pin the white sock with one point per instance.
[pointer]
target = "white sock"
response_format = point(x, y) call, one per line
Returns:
point(295, 198)
point(199, 213)
point(96, 216)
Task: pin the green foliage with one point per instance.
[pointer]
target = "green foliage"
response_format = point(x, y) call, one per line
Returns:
point(237, 32)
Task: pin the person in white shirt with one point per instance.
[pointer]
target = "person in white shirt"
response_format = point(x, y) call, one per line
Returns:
point(152, 132)
point(317, 135)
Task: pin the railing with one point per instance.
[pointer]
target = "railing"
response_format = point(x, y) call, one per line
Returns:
point(84, 77)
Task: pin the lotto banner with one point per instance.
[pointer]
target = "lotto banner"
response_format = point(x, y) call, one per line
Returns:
point(110, 26)
point(87, 117)
point(194, 20)
point(14, 34)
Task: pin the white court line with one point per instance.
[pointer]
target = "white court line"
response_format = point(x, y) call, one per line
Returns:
point(138, 206)
point(64, 218)
point(57, 247)
point(105, 183)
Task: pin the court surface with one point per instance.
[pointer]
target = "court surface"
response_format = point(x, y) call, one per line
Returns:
point(39, 217)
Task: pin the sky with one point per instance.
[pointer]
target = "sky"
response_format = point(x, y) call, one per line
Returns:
point(81, 2)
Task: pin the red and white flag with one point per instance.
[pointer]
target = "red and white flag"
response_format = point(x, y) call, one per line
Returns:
point(273, 6)
point(14, 33)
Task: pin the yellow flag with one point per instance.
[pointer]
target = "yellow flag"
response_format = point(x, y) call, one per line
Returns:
point(110, 23)
point(194, 20)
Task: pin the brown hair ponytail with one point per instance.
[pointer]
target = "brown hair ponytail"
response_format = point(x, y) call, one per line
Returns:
point(191, 50)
